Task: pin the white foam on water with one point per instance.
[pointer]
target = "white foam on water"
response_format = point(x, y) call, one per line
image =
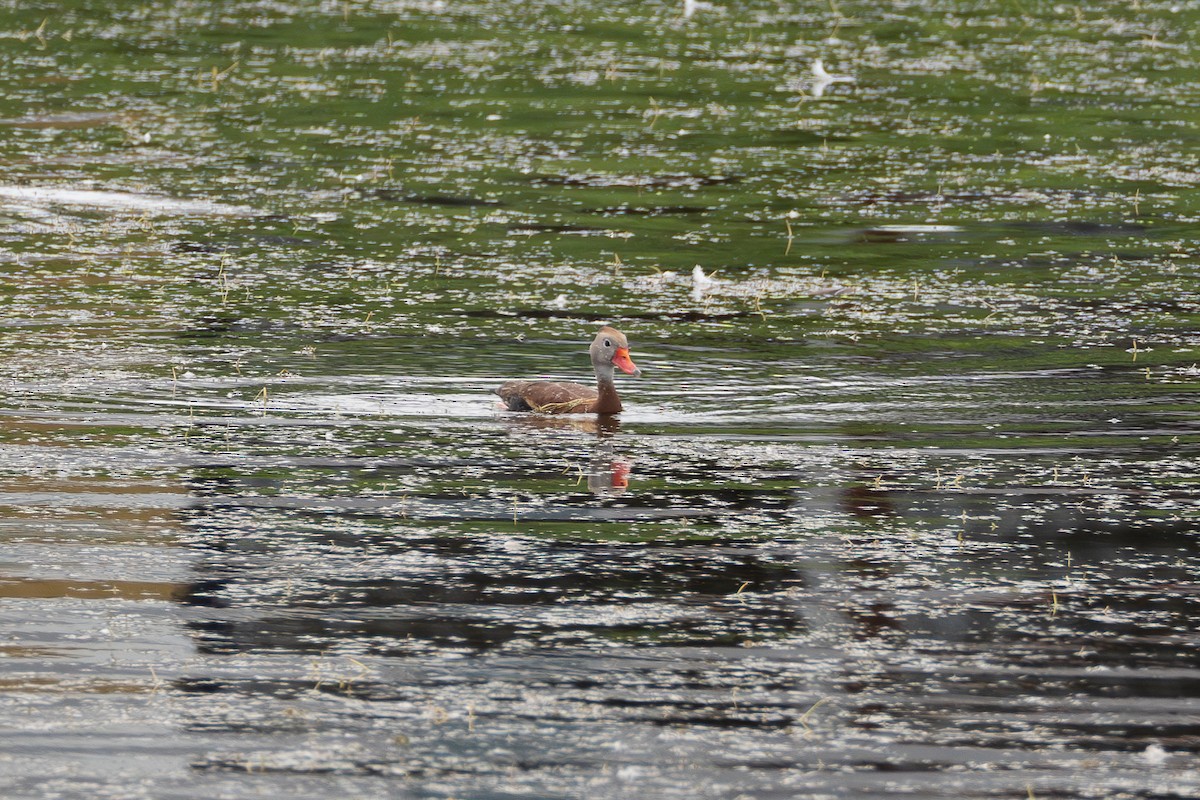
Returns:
point(41, 196)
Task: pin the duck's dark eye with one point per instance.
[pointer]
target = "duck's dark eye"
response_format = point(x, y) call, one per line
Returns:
point(607, 343)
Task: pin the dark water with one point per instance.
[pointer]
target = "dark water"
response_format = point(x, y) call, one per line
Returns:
point(905, 503)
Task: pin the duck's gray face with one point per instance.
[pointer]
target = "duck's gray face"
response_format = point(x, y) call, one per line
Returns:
point(611, 347)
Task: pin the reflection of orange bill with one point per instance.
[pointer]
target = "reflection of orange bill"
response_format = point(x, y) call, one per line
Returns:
point(620, 475)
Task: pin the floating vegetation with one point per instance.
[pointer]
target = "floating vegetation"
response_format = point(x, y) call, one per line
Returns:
point(905, 503)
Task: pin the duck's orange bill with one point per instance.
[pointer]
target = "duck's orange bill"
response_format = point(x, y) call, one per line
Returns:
point(624, 362)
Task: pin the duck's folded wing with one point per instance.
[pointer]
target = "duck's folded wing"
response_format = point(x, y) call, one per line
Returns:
point(547, 396)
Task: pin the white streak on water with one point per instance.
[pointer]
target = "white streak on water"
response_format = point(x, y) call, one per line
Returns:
point(41, 196)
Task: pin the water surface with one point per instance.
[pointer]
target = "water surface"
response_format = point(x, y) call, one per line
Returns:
point(904, 504)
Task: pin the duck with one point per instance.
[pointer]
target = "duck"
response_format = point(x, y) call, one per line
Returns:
point(609, 349)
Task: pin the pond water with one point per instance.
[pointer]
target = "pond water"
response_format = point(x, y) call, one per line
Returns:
point(904, 504)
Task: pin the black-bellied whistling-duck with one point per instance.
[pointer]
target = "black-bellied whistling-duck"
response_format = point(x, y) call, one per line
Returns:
point(609, 349)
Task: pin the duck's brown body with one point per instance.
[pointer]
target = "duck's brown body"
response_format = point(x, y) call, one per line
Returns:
point(549, 397)
point(609, 349)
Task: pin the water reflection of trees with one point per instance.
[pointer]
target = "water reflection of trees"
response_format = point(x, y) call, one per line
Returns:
point(455, 572)
point(673, 561)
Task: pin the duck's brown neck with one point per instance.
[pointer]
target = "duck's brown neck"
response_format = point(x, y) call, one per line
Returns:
point(607, 402)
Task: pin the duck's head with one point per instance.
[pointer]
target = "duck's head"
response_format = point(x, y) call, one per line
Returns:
point(611, 349)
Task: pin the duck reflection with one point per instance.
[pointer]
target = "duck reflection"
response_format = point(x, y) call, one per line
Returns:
point(607, 473)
